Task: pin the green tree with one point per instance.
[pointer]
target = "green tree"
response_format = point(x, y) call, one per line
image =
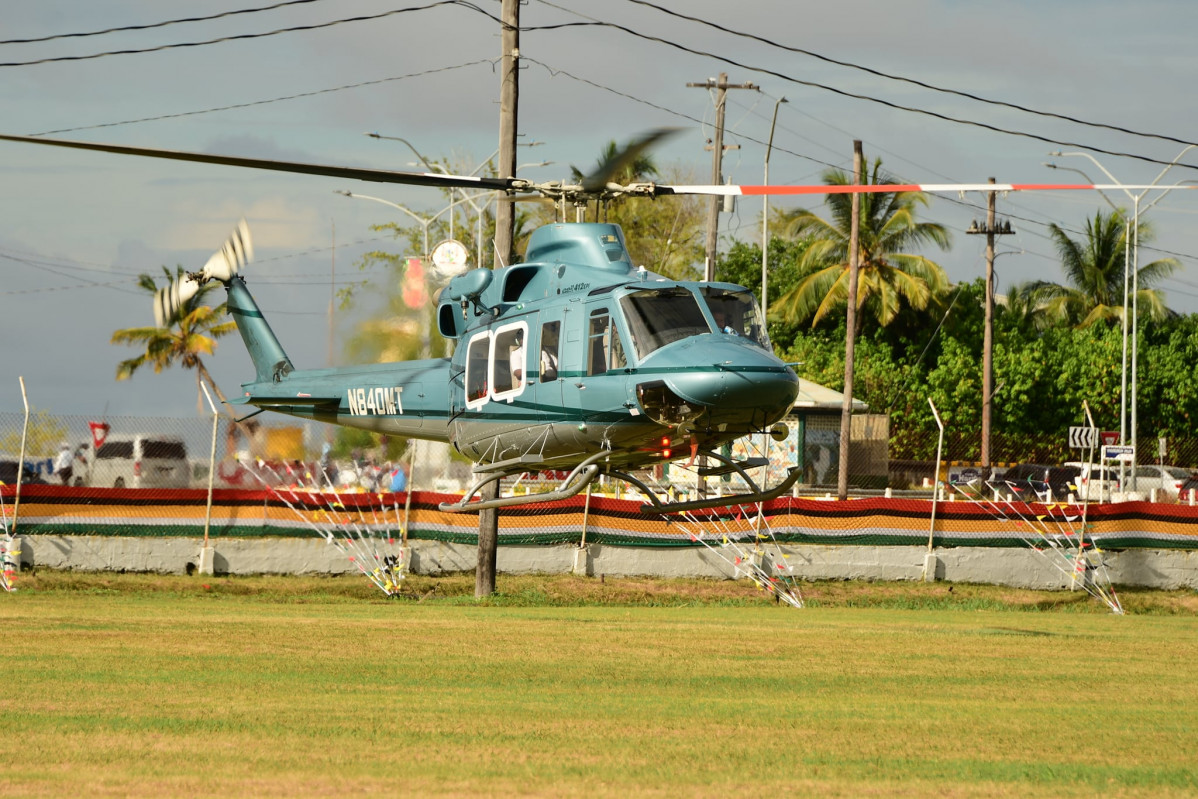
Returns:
point(890, 274)
point(665, 236)
point(44, 434)
point(1094, 269)
point(190, 335)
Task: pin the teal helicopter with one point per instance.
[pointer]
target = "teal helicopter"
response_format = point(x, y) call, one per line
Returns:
point(575, 361)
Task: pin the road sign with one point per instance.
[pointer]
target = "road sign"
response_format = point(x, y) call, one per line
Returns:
point(1115, 453)
point(1083, 437)
point(1109, 436)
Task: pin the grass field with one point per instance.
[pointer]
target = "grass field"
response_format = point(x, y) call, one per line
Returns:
point(137, 685)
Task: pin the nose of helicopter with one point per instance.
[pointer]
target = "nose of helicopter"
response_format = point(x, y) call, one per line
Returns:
point(732, 373)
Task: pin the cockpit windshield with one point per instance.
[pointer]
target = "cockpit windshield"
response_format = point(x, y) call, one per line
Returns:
point(736, 312)
point(657, 317)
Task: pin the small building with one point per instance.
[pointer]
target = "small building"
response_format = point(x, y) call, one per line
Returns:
point(814, 441)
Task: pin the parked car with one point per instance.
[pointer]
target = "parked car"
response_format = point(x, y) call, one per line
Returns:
point(1096, 482)
point(1065, 482)
point(140, 461)
point(9, 469)
point(1166, 480)
point(1027, 481)
point(1188, 488)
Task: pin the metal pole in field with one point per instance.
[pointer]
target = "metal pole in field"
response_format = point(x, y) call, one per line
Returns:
point(936, 478)
point(206, 565)
point(16, 506)
point(929, 558)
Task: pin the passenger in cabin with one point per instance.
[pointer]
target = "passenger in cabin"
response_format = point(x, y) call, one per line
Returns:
point(549, 352)
point(516, 360)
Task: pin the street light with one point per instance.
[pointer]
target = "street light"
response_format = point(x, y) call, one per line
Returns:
point(1126, 284)
point(434, 167)
point(1135, 268)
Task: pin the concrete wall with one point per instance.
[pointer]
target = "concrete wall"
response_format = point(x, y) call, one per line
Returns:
point(1022, 568)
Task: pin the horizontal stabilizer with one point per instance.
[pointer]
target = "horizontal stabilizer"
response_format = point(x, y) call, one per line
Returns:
point(300, 401)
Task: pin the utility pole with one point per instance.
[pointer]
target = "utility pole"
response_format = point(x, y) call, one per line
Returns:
point(721, 86)
point(990, 228)
point(509, 96)
point(850, 323)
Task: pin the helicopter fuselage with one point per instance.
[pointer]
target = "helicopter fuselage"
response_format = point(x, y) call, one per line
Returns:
point(570, 354)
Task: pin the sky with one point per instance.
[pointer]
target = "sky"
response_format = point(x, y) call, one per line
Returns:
point(77, 227)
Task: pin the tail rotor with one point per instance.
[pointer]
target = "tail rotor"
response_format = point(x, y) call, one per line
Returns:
point(225, 263)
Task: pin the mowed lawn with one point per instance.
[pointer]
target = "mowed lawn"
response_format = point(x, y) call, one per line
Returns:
point(213, 686)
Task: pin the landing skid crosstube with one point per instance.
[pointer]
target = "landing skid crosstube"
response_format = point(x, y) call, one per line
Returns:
point(586, 472)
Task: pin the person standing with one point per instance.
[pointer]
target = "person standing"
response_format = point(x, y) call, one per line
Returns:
point(64, 463)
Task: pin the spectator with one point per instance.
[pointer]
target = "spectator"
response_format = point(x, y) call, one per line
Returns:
point(64, 463)
point(399, 479)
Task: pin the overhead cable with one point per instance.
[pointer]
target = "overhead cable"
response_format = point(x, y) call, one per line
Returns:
point(237, 37)
point(163, 24)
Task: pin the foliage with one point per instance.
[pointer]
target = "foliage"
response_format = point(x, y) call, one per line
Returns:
point(1095, 269)
point(665, 236)
point(890, 275)
point(44, 434)
point(1041, 379)
point(191, 334)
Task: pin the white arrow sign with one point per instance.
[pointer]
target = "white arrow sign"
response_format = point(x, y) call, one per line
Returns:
point(1083, 437)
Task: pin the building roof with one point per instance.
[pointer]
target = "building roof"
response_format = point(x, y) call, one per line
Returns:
point(817, 397)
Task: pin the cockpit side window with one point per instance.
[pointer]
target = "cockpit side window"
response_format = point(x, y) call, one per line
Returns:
point(736, 313)
point(604, 349)
point(657, 317)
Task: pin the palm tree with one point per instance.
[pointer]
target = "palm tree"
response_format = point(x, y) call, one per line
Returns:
point(1022, 309)
point(191, 334)
point(639, 168)
point(889, 274)
point(1095, 269)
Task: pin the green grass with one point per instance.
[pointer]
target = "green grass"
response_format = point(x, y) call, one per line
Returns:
point(142, 685)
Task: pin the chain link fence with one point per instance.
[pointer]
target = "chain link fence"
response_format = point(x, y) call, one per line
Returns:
point(168, 453)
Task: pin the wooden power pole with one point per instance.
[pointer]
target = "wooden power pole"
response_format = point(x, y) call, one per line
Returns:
point(850, 324)
point(505, 213)
point(721, 86)
point(990, 228)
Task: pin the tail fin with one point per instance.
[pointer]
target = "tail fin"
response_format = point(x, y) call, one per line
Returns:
point(270, 362)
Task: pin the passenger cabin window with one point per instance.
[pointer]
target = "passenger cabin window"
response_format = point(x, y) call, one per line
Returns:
point(736, 313)
point(550, 338)
point(657, 317)
point(507, 368)
point(476, 367)
point(604, 350)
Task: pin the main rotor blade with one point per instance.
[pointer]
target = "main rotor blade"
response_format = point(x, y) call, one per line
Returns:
point(599, 179)
point(884, 188)
point(436, 180)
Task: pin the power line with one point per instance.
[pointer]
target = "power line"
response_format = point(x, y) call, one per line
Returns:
point(253, 103)
point(236, 37)
point(912, 81)
point(164, 24)
point(854, 95)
